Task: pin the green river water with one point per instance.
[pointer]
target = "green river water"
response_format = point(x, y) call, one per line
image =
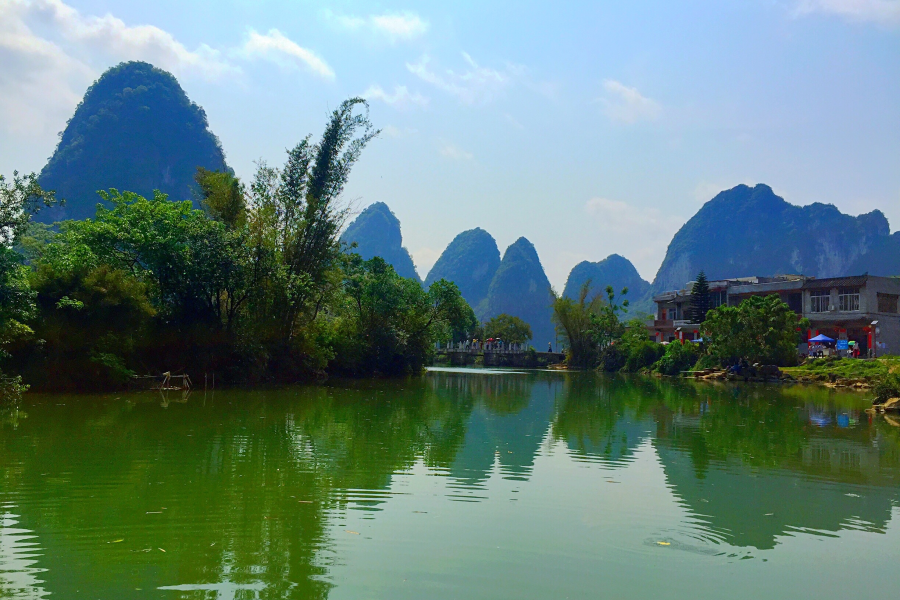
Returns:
point(456, 484)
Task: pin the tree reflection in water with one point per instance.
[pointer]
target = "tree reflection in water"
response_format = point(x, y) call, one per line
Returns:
point(243, 488)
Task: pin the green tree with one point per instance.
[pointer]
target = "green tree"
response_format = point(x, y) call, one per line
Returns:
point(760, 329)
point(589, 324)
point(637, 351)
point(20, 199)
point(389, 324)
point(677, 357)
point(700, 300)
point(508, 328)
point(222, 196)
point(296, 214)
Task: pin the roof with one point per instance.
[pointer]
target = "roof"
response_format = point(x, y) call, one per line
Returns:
point(831, 282)
point(772, 286)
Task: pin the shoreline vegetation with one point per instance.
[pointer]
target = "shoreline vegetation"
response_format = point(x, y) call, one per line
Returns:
point(756, 341)
point(255, 287)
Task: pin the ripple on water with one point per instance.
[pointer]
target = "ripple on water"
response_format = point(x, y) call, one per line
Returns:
point(19, 551)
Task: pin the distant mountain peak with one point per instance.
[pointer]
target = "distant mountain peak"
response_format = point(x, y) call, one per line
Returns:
point(614, 270)
point(376, 231)
point(135, 130)
point(470, 261)
point(748, 231)
point(521, 288)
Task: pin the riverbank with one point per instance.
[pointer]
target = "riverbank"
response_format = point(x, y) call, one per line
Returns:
point(845, 372)
point(833, 372)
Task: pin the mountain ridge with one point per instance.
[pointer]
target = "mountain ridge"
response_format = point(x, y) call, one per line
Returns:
point(376, 231)
point(135, 129)
point(470, 261)
point(748, 231)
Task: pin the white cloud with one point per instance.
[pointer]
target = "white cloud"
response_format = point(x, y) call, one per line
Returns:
point(396, 27)
point(50, 52)
point(110, 35)
point(278, 48)
point(401, 98)
point(473, 85)
point(886, 12)
point(627, 105)
point(453, 152)
point(646, 231)
point(403, 26)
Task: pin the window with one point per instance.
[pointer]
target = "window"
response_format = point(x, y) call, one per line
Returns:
point(848, 299)
point(795, 302)
point(819, 300)
point(887, 303)
point(717, 299)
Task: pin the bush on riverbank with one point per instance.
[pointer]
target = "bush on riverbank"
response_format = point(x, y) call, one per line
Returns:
point(255, 287)
point(886, 387)
point(677, 358)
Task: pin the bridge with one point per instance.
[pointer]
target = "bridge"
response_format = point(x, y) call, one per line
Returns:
point(512, 355)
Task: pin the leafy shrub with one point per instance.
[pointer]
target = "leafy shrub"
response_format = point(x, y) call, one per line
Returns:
point(887, 387)
point(706, 362)
point(643, 355)
point(612, 358)
point(677, 358)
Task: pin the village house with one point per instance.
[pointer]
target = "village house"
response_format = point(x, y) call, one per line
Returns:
point(863, 309)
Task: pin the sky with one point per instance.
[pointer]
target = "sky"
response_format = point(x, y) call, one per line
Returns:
point(590, 128)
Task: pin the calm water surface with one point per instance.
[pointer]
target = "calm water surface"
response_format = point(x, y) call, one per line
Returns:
point(458, 484)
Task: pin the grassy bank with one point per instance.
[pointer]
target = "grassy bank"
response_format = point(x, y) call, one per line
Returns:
point(845, 372)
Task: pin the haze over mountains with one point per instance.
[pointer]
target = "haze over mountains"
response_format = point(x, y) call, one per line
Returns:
point(137, 130)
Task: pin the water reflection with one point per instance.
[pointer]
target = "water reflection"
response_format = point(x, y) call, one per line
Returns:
point(239, 494)
point(19, 552)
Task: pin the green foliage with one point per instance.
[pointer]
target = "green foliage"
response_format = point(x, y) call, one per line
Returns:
point(634, 350)
point(678, 357)
point(700, 300)
point(255, 286)
point(20, 200)
point(389, 324)
point(886, 387)
point(760, 329)
point(832, 367)
point(196, 270)
point(508, 328)
point(643, 355)
point(94, 320)
point(222, 196)
point(612, 358)
point(589, 324)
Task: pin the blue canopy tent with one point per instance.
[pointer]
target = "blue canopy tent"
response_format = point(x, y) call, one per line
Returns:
point(821, 338)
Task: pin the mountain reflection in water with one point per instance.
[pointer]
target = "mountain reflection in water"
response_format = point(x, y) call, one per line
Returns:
point(332, 490)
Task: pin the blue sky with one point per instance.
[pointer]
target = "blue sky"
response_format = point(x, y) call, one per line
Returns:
point(588, 127)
